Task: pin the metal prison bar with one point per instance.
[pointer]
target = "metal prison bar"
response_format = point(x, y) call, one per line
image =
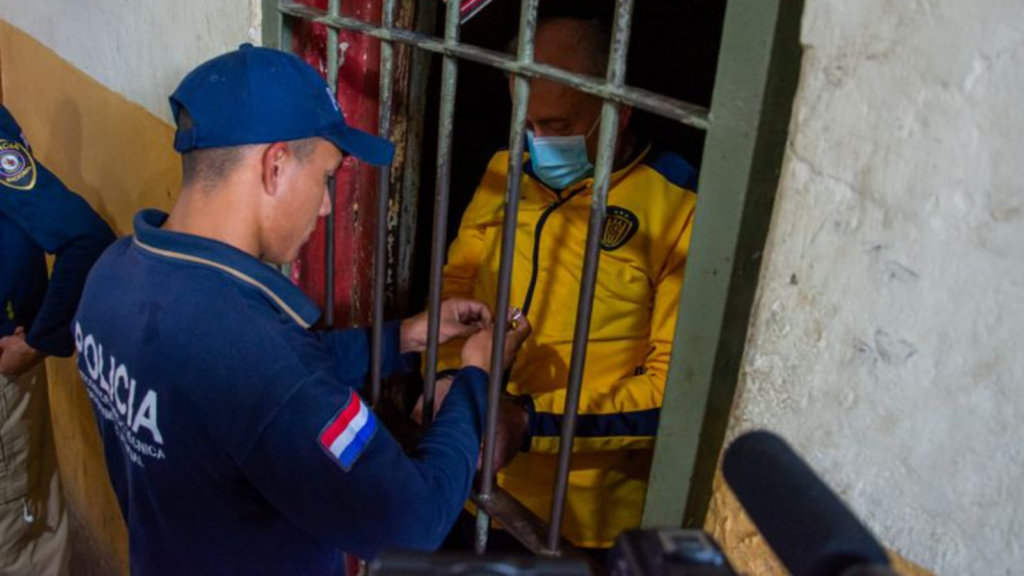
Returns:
point(331, 224)
point(449, 79)
point(612, 89)
point(616, 77)
point(521, 95)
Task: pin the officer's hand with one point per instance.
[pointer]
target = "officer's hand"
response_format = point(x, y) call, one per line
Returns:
point(459, 317)
point(477, 350)
point(16, 356)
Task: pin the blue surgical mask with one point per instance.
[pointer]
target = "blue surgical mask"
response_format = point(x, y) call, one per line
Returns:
point(560, 161)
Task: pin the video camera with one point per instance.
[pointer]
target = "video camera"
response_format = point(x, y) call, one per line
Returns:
point(807, 526)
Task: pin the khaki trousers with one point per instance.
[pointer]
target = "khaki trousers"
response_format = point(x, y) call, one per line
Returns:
point(33, 520)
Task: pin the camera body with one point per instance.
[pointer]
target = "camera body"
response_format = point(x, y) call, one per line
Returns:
point(667, 552)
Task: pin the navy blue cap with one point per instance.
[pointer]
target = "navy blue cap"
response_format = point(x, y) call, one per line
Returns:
point(260, 95)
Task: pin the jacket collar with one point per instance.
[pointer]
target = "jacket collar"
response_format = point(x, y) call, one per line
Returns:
point(235, 264)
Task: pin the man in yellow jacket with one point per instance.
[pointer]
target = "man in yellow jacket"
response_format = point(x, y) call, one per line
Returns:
point(643, 254)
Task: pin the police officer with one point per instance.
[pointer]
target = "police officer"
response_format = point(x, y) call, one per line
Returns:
point(235, 436)
point(38, 215)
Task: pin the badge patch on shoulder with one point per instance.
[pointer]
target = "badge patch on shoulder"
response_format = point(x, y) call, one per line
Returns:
point(17, 168)
point(348, 434)
point(619, 227)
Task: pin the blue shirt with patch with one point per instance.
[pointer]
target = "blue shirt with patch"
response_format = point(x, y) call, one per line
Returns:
point(39, 215)
point(234, 436)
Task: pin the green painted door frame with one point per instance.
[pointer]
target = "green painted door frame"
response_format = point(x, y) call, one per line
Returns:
point(758, 70)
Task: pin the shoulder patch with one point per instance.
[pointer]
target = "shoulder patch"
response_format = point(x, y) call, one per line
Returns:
point(619, 227)
point(17, 167)
point(347, 435)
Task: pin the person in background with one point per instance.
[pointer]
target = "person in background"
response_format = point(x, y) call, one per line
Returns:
point(38, 216)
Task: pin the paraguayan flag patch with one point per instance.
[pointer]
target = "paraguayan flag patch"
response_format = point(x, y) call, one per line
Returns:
point(348, 434)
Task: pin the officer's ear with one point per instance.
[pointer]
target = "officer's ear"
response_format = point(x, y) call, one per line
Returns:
point(275, 158)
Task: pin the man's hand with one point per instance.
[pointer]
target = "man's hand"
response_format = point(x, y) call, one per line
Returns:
point(513, 422)
point(16, 356)
point(459, 318)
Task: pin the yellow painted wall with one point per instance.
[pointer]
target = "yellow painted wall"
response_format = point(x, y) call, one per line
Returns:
point(117, 156)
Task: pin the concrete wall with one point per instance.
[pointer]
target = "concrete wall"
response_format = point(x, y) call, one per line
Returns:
point(887, 332)
point(139, 49)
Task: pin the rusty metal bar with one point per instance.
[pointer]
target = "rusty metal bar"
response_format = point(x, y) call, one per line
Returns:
point(330, 232)
point(517, 142)
point(526, 526)
point(277, 33)
point(599, 201)
point(387, 60)
point(679, 110)
point(449, 79)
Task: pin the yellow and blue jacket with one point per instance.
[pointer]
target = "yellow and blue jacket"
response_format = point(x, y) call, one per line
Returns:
point(643, 254)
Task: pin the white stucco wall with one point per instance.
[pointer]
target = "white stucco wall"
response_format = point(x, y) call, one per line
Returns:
point(887, 338)
point(139, 48)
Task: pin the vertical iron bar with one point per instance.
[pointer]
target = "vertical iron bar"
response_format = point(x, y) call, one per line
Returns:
point(449, 79)
point(387, 59)
point(329, 238)
point(277, 34)
point(285, 35)
point(517, 141)
point(599, 201)
point(273, 25)
point(330, 233)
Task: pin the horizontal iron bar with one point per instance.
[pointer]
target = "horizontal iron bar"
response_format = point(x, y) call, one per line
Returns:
point(679, 110)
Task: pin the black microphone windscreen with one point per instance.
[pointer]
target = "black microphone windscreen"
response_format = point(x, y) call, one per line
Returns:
point(807, 526)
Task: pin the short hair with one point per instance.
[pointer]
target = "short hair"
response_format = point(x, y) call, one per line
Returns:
point(209, 166)
point(593, 39)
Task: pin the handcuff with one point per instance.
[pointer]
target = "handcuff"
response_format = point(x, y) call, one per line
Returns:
point(513, 322)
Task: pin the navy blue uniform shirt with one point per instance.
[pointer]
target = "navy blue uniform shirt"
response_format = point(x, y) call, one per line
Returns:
point(39, 215)
point(234, 437)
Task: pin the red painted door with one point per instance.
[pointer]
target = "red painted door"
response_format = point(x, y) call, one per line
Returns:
point(356, 183)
